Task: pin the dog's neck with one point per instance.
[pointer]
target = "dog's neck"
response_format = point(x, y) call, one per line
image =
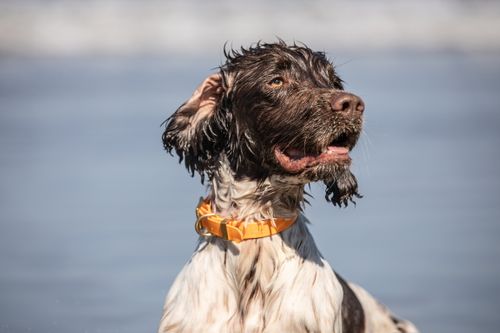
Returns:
point(250, 200)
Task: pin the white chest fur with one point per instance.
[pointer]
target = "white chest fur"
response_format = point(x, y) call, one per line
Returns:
point(273, 284)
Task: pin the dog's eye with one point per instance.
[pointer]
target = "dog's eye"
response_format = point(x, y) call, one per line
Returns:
point(276, 82)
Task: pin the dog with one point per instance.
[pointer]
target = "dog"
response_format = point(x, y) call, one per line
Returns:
point(274, 118)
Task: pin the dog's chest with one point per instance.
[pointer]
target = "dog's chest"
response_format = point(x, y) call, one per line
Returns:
point(256, 286)
point(278, 290)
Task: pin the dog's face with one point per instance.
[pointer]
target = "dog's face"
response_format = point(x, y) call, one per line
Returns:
point(272, 110)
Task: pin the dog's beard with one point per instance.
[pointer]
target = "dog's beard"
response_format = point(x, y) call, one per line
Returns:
point(341, 184)
point(342, 188)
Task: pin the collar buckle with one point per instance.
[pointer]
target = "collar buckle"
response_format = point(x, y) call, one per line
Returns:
point(223, 229)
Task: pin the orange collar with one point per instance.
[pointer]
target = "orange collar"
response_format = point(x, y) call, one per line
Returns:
point(211, 224)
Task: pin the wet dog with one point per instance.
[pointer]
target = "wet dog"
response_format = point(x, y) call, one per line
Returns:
point(274, 118)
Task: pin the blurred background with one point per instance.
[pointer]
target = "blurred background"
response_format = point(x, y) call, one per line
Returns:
point(96, 220)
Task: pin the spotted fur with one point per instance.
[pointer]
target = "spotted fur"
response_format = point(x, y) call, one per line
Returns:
point(264, 99)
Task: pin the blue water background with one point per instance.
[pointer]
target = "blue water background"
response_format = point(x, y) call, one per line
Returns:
point(96, 220)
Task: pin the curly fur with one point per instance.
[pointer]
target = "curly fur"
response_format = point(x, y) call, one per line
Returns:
point(260, 129)
point(247, 120)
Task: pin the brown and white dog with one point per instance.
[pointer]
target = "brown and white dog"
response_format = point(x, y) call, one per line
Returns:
point(274, 118)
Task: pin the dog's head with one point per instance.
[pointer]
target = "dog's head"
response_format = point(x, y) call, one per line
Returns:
point(272, 109)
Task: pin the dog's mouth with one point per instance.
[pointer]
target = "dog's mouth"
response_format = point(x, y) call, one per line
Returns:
point(295, 160)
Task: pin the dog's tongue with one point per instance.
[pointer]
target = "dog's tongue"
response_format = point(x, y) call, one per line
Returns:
point(338, 150)
point(295, 160)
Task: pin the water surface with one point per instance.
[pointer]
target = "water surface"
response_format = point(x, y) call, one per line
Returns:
point(96, 220)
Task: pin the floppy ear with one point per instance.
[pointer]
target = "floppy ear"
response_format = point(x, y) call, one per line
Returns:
point(194, 130)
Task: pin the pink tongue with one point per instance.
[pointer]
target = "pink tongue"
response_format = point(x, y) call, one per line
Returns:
point(338, 150)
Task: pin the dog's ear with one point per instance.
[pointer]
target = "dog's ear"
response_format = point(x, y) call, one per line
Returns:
point(195, 130)
point(342, 189)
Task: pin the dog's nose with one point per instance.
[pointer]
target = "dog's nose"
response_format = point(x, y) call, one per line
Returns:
point(345, 102)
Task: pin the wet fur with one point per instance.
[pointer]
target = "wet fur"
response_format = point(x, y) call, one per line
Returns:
point(249, 120)
point(227, 131)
